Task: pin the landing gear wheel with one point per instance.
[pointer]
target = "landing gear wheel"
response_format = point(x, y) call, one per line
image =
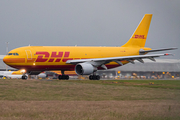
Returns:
point(67, 77)
point(91, 77)
point(63, 77)
point(59, 77)
point(97, 77)
point(94, 77)
point(24, 77)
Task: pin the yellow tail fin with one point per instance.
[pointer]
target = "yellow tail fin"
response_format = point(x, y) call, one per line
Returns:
point(138, 39)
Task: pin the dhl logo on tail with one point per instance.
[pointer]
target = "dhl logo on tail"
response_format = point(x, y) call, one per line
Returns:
point(139, 37)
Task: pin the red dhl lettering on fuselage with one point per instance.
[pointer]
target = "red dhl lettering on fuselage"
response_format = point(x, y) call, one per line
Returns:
point(139, 36)
point(54, 57)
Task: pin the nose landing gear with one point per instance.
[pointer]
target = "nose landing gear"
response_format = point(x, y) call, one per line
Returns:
point(24, 77)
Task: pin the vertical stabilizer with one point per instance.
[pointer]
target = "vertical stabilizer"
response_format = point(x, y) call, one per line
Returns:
point(138, 39)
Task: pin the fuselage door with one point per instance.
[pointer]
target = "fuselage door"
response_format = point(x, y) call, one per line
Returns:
point(28, 54)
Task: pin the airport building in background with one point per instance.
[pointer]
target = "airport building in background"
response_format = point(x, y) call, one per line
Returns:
point(161, 69)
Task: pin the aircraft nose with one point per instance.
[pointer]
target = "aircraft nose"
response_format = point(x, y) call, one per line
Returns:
point(5, 59)
point(13, 59)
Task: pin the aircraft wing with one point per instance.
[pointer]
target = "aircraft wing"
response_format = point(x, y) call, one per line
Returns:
point(155, 50)
point(102, 61)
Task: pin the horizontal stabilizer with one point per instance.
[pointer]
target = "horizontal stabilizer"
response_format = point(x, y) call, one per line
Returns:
point(156, 50)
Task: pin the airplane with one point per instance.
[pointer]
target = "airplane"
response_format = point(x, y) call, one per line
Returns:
point(12, 74)
point(18, 74)
point(84, 60)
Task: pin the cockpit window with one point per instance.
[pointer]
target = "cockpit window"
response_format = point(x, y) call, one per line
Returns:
point(13, 54)
point(10, 54)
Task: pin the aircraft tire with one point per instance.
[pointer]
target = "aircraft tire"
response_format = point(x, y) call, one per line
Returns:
point(67, 77)
point(63, 77)
point(91, 77)
point(97, 77)
point(94, 77)
point(60, 77)
point(24, 77)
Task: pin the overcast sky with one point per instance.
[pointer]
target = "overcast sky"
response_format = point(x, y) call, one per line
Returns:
point(87, 23)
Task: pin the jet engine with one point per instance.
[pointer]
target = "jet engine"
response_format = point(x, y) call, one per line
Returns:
point(42, 75)
point(84, 69)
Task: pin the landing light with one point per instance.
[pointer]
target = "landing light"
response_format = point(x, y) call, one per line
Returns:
point(34, 63)
point(23, 71)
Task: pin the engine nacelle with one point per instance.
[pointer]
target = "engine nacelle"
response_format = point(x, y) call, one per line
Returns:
point(84, 69)
point(42, 75)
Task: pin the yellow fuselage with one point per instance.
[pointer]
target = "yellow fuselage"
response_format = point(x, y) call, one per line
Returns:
point(40, 58)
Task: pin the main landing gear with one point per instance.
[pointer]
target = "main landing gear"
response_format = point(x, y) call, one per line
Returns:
point(63, 76)
point(94, 77)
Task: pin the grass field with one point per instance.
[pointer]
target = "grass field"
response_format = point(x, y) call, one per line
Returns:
point(89, 100)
